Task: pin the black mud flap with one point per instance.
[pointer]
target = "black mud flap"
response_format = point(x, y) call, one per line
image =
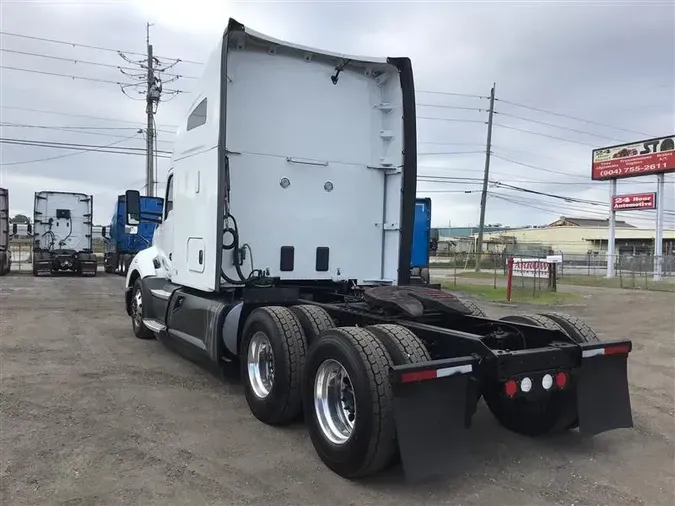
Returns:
point(603, 400)
point(433, 406)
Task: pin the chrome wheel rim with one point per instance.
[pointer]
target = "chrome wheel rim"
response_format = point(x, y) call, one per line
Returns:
point(260, 365)
point(137, 308)
point(334, 402)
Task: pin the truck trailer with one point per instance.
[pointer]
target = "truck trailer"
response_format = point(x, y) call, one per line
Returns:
point(5, 252)
point(62, 234)
point(122, 242)
point(284, 251)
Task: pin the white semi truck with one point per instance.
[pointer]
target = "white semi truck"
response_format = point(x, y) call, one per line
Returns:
point(284, 251)
point(5, 252)
point(62, 234)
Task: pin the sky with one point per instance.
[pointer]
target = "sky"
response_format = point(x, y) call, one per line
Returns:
point(608, 65)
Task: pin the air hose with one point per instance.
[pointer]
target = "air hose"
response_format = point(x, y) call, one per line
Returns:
point(256, 277)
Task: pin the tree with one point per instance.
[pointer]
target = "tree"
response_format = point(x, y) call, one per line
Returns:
point(20, 218)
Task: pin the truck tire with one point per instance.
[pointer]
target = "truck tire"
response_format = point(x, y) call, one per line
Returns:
point(352, 429)
point(272, 359)
point(313, 320)
point(535, 320)
point(403, 346)
point(140, 330)
point(475, 310)
point(574, 327)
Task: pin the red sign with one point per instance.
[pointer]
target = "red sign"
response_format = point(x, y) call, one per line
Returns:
point(654, 156)
point(634, 201)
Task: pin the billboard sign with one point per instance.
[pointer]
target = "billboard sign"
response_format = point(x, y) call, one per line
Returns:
point(653, 156)
point(634, 201)
point(530, 267)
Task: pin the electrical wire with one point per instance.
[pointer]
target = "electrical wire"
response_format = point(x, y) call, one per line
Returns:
point(535, 167)
point(450, 94)
point(102, 118)
point(452, 107)
point(100, 149)
point(87, 62)
point(88, 46)
point(546, 111)
point(76, 129)
point(584, 132)
point(81, 78)
point(543, 135)
point(459, 120)
point(68, 144)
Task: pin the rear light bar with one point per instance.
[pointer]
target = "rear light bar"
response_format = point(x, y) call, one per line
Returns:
point(610, 349)
point(434, 369)
point(536, 383)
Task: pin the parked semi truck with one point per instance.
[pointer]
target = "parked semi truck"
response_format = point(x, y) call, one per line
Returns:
point(5, 252)
point(122, 241)
point(62, 234)
point(421, 242)
point(285, 250)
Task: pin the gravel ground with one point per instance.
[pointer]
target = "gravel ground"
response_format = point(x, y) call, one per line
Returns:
point(93, 416)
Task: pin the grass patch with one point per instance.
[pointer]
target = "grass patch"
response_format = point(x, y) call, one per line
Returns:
point(518, 294)
point(626, 282)
point(481, 274)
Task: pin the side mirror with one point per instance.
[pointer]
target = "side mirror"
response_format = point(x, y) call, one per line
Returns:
point(13, 228)
point(29, 228)
point(102, 231)
point(133, 204)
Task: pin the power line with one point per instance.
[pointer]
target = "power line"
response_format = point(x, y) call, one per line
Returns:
point(452, 143)
point(545, 135)
point(102, 118)
point(453, 153)
point(85, 62)
point(63, 156)
point(82, 78)
point(459, 120)
point(559, 126)
point(451, 94)
point(88, 46)
point(535, 167)
point(546, 111)
point(74, 129)
point(67, 144)
point(452, 107)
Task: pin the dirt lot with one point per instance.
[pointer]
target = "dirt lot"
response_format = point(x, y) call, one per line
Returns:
point(93, 416)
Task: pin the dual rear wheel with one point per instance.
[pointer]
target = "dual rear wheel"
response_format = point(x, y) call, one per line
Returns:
point(295, 360)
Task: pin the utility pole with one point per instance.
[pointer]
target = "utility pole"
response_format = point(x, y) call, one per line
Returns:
point(150, 133)
point(483, 199)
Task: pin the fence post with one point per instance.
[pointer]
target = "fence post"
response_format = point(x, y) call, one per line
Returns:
point(495, 267)
point(509, 278)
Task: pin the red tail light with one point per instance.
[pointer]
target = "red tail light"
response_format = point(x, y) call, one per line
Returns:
point(561, 379)
point(511, 388)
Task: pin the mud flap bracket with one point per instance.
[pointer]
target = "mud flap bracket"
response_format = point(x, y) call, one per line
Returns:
point(433, 406)
point(603, 400)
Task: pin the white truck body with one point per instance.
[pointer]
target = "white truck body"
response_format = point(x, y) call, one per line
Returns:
point(62, 231)
point(310, 170)
point(5, 253)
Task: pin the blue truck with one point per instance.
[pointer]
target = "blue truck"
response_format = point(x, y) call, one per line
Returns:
point(122, 241)
point(423, 241)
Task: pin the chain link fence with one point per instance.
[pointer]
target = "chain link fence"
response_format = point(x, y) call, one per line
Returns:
point(631, 271)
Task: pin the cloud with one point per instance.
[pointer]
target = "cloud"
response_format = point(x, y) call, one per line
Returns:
point(613, 65)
